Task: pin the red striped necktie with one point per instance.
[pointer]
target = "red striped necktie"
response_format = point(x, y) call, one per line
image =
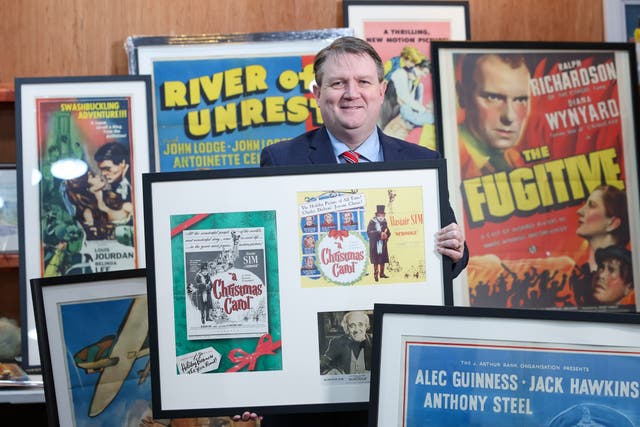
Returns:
point(351, 156)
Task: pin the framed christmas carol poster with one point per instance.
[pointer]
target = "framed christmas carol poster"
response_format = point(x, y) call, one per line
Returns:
point(260, 279)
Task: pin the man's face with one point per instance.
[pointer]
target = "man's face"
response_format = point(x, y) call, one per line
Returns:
point(380, 216)
point(357, 326)
point(499, 104)
point(347, 216)
point(609, 286)
point(309, 221)
point(112, 172)
point(350, 97)
point(328, 218)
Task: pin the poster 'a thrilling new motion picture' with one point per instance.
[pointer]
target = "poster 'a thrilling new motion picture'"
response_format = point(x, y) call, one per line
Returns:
point(87, 222)
point(404, 47)
point(226, 292)
point(542, 157)
point(401, 33)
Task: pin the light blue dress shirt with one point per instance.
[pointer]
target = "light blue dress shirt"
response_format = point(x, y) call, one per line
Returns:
point(369, 151)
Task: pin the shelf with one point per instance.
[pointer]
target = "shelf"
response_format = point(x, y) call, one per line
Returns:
point(9, 260)
point(7, 92)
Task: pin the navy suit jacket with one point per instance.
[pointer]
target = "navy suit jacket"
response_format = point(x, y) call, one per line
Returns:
point(315, 147)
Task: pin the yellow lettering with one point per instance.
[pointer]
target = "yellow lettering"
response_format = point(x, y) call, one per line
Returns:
point(233, 82)
point(251, 112)
point(256, 76)
point(226, 117)
point(275, 109)
point(552, 184)
point(175, 94)
point(198, 123)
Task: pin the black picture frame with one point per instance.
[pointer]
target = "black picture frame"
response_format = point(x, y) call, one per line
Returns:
point(520, 236)
point(63, 121)
point(237, 201)
point(546, 358)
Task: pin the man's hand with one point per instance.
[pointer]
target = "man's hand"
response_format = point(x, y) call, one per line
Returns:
point(247, 416)
point(450, 242)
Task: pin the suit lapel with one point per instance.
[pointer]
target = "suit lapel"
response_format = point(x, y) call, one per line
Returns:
point(390, 150)
point(320, 150)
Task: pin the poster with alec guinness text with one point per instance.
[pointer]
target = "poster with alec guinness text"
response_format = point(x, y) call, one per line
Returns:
point(543, 173)
point(493, 383)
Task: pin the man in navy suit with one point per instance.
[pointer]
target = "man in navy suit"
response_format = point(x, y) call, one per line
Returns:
point(350, 90)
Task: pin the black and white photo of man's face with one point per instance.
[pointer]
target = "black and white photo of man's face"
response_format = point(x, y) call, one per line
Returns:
point(357, 324)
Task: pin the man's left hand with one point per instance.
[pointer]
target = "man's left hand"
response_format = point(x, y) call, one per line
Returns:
point(450, 242)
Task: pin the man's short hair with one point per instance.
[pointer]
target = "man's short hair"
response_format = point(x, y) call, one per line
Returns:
point(621, 254)
point(343, 46)
point(113, 151)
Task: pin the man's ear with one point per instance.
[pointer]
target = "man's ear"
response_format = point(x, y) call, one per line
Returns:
point(315, 89)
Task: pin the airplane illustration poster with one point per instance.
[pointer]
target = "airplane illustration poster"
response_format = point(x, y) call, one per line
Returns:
point(226, 291)
point(340, 229)
point(464, 382)
point(92, 332)
point(87, 222)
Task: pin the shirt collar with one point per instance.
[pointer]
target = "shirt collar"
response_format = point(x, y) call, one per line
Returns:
point(370, 148)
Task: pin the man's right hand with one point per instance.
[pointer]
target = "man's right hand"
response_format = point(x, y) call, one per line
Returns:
point(247, 416)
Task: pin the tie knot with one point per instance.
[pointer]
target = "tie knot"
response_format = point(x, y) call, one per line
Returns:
point(351, 156)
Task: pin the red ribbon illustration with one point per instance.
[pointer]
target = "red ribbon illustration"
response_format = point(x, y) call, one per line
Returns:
point(242, 358)
point(338, 234)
